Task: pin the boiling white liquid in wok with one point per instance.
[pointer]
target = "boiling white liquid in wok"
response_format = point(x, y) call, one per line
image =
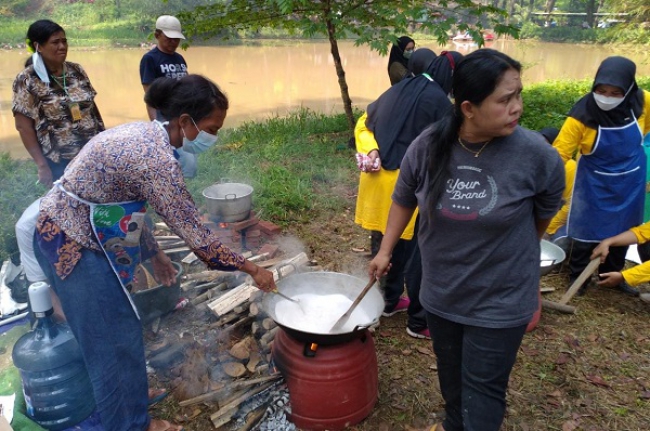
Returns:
point(318, 313)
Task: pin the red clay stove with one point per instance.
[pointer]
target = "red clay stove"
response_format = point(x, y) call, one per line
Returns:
point(330, 387)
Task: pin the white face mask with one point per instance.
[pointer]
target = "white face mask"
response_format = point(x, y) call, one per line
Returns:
point(39, 66)
point(607, 103)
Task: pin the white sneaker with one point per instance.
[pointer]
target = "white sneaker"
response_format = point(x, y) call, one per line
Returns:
point(645, 297)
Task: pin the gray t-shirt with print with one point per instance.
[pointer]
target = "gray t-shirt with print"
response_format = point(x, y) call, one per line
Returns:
point(481, 253)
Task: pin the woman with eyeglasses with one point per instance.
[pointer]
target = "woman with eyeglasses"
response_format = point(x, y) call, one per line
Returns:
point(53, 103)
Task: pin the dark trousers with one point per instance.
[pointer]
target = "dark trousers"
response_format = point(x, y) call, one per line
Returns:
point(110, 338)
point(474, 366)
point(406, 270)
point(57, 168)
point(644, 251)
point(581, 255)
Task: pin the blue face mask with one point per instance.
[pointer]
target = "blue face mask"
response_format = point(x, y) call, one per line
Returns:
point(201, 143)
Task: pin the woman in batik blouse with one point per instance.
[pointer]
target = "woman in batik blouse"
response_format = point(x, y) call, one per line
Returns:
point(53, 103)
point(91, 237)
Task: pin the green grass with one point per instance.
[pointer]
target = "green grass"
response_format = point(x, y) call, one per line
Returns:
point(299, 165)
point(285, 160)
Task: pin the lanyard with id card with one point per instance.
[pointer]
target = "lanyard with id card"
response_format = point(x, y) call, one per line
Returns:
point(75, 109)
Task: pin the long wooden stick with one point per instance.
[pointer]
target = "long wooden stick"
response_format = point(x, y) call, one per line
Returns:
point(343, 319)
point(584, 275)
point(234, 404)
point(569, 309)
point(209, 396)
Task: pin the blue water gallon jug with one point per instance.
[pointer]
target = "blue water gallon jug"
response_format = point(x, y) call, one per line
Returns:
point(56, 385)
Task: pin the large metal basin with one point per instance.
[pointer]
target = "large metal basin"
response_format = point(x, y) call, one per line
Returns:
point(551, 256)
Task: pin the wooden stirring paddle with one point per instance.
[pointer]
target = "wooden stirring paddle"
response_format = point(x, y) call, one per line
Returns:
point(343, 319)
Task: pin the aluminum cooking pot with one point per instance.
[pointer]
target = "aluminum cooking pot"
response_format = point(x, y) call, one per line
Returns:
point(157, 300)
point(229, 202)
point(551, 256)
point(324, 284)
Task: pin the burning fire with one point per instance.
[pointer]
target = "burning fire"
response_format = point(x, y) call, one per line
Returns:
point(223, 225)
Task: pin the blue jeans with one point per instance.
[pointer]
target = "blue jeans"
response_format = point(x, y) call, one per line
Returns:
point(474, 366)
point(57, 168)
point(110, 337)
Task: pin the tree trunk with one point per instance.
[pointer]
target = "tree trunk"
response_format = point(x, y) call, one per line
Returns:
point(550, 5)
point(345, 95)
point(591, 6)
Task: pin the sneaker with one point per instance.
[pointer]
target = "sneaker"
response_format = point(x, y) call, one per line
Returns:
point(402, 305)
point(422, 334)
point(645, 297)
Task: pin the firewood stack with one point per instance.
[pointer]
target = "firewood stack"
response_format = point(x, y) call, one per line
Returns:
point(263, 328)
point(223, 365)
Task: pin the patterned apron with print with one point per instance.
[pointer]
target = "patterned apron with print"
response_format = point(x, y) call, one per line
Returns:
point(609, 192)
point(118, 227)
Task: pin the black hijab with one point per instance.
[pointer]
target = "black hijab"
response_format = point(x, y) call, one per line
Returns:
point(619, 72)
point(403, 111)
point(549, 133)
point(397, 52)
point(420, 61)
point(442, 69)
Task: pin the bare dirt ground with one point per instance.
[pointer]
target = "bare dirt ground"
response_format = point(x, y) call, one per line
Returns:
point(584, 371)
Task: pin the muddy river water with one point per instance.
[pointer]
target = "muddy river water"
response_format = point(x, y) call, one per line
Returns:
point(265, 81)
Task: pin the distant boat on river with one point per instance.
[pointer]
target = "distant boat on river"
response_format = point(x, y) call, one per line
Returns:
point(466, 37)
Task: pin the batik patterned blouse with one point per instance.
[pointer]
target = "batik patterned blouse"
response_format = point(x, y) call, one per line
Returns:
point(131, 162)
point(58, 134)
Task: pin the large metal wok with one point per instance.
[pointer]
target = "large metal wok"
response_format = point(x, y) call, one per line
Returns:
point(323, 284)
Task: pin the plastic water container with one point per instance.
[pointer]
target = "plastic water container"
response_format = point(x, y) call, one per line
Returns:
point(56, 385)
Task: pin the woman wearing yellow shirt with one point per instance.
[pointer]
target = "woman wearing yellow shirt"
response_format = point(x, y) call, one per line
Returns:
point(556, 230)
point(382, 136)
point(606, 127)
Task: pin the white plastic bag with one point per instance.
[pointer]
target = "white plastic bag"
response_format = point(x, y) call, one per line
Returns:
point(8, 306)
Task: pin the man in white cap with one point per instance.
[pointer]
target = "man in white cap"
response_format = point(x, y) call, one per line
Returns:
point(163, 60)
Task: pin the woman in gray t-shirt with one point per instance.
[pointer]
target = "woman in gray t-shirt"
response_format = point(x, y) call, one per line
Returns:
point(486, 189)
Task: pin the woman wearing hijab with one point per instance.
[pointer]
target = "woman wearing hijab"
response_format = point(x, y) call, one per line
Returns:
point(382, 135)
point(398, 59)
point(606, 127)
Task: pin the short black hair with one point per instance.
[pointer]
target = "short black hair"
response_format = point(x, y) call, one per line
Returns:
point(40, 31)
